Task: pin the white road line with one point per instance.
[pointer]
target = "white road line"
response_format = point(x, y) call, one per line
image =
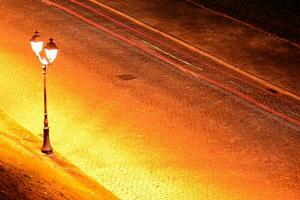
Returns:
point(166, 53)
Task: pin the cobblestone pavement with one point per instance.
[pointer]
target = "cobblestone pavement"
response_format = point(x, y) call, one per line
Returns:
point(139, 126)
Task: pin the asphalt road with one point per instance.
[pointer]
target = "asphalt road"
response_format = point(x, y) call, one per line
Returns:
point(144, 116)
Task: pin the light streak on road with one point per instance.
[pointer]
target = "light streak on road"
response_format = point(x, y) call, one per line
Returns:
point(164, 52)
point(171, 38)
point(201, 52)
point(177, 65)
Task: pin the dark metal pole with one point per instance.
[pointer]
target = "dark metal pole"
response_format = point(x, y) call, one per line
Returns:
point(46, 148)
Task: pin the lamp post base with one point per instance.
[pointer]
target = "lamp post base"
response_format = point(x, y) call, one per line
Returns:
point(46, 148)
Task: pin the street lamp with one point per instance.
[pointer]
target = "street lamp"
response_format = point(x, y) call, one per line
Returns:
point(51, 53)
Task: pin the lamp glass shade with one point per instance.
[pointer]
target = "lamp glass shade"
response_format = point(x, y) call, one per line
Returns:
point(36, 46)
point(51, 54)
point(36, 43)
point(51, 50)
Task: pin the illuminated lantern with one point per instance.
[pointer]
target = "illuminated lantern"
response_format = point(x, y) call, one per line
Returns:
point(51, 50)
point(36, 43)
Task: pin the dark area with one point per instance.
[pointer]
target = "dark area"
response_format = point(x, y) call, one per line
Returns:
point(14, 184)
point(279, 17)
point(272, 90)
point(17, 183)
point(126, 77)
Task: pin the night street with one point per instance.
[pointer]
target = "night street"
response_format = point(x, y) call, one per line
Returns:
point(157, 100)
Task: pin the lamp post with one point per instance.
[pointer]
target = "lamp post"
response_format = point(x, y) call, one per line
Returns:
point(51, 53)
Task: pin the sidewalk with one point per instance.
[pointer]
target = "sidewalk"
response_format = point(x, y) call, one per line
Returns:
point(238, 45)
point(25, 173)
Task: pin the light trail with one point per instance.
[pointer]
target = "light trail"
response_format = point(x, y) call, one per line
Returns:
point(217, 60)
point(201, 52)
point(178, 66)
point(166, 53)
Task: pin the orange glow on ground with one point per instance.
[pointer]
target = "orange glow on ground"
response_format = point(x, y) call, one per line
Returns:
point(129, 136)
point(90, 131)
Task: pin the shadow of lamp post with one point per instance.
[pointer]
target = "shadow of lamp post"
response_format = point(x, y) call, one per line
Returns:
point(51, 53)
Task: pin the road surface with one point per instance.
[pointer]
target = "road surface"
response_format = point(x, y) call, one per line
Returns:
point(143, 115)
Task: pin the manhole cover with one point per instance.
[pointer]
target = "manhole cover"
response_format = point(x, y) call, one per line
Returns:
point(126, 77)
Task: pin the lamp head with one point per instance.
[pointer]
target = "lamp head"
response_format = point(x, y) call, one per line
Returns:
point(51, 50)
point(36, 43)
